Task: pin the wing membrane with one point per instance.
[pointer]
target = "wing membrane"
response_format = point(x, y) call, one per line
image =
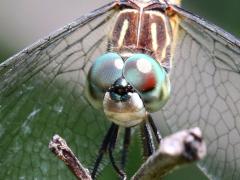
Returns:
point(206, 92)
point(41, 94)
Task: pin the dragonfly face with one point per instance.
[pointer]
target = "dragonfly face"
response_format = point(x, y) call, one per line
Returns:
point(52, 92)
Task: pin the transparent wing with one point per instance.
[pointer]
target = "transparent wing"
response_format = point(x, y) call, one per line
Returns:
point(205, 83)
point(41, 94)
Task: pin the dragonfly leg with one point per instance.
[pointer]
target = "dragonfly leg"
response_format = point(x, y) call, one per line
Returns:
point(154, 129)
point(147, 139)
point(111, 147)
point(103, 149)
point(126, 142)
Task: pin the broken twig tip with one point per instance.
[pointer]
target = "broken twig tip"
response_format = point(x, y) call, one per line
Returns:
point(60, 148)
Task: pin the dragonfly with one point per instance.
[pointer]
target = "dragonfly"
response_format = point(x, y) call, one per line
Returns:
point(53, 87)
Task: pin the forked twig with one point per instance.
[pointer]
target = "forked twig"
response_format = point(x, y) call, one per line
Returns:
point(180, 148)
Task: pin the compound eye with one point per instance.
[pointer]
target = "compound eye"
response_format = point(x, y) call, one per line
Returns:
point(149, 78)
point(104, 72)
point(142, 72)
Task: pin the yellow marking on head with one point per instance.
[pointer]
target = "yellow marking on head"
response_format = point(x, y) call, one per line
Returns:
point(154, 36)
point(123, 32)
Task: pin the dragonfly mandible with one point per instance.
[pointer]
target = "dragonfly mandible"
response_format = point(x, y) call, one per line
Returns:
point(53, 81)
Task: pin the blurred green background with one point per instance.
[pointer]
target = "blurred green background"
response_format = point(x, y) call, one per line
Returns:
point(23, 22)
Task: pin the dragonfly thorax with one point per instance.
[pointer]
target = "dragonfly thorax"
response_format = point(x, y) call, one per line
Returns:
point(143, 31)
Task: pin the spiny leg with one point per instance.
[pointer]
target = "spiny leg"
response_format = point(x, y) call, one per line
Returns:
point(126, 142)
point(111, 147)
point(147, 140)
point(103, 148)
point(154, 128)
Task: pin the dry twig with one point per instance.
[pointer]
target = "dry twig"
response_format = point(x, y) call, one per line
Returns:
point(180, 148)
point(60, 148)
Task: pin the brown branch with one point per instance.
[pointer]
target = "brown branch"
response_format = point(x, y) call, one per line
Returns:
point(180, 148)
point(60, 148)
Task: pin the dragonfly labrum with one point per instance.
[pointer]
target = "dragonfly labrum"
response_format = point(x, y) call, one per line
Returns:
point(128, 64)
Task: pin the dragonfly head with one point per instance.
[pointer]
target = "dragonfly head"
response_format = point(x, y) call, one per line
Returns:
point(127, 87)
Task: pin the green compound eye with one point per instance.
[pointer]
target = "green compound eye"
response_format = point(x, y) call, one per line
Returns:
point(103, 73)
point(149, 78)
